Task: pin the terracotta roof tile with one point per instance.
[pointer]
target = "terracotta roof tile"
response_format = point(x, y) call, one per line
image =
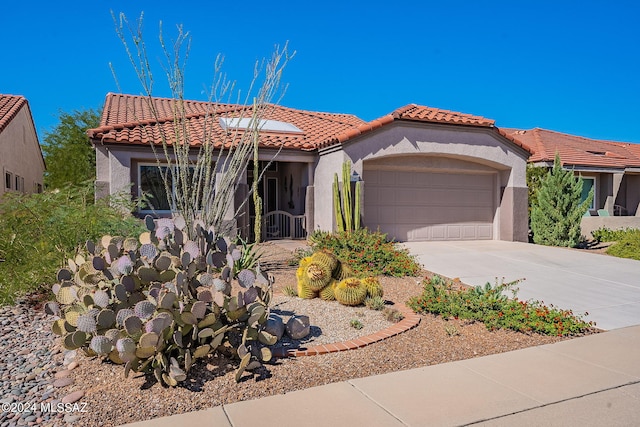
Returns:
point(9, 107)
point(131, 119)
point(577, 150)
point(419, 113)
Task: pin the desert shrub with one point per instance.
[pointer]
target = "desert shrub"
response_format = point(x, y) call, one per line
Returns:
point(159, 302)
point(556, 216)
point(491, 306)
point(604, 234)
point(39, 231)
point(298, 254)
point(627, 245)
point(367, 252)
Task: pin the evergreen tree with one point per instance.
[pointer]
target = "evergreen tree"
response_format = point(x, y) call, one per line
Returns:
point(68, 154)
point(555, 219)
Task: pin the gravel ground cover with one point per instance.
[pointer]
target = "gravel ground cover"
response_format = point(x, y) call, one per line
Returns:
point(35, 369)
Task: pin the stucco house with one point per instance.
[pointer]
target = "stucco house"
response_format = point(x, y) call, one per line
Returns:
point(428, 174)
point(20, 155)
point(612, 169)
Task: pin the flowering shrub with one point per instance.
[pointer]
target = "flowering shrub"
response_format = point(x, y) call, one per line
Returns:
point(367, 252)
point(489, 305)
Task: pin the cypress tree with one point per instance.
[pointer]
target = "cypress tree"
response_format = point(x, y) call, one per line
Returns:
point(555, 218)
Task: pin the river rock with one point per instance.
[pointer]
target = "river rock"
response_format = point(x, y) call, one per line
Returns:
point(298, 327)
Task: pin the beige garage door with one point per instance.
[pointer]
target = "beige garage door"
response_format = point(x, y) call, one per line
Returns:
point(414, 206)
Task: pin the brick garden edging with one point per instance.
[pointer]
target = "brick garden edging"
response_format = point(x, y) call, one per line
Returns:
point(411, 320)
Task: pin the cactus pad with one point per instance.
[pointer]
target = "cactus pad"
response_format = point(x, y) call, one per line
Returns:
point(144, 309)
point(101, 298)
point(101, 344)
point(123, 314)
point(246, 278)
point(148, 251)
point(124, 265)
point(148, 339)
point(67, 295)
point(133, 325)
point(106, 318)
point(86, 323)
point(191, 248)
point(205, 294)
point(350, 292)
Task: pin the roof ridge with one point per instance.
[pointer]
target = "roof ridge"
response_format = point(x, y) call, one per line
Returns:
point(540, 148)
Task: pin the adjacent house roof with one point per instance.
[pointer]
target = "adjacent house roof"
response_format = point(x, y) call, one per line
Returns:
point(129, 119)
point(9, 107)
point(576, 150)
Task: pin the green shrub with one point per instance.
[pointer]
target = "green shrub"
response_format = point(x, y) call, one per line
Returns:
point(627, 246)
point(298, 254)
point(39, 231)
point(556, 216)
point(367, 252)
point(489, 305)
point(159, 302)
point(607, 235)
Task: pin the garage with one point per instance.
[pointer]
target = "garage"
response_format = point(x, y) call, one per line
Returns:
point(419, 205)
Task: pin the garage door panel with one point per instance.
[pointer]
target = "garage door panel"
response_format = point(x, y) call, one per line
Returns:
point(429, 205)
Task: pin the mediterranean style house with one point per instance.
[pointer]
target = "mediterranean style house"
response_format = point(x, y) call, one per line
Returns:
point(428, 174)
point(20, 155)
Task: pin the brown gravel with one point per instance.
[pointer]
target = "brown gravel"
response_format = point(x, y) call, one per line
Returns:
point(113, 400)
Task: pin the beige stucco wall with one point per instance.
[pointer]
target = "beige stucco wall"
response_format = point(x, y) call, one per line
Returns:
point(471, 147)
point(20, 152)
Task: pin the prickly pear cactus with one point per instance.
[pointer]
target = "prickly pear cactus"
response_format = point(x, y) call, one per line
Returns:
point(160, 302)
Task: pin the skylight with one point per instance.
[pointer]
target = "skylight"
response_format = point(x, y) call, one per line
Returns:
point(265, 125)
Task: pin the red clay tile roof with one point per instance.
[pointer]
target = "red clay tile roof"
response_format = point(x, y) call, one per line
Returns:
point(129, 119)
point(419, 113)
point(576, 150)
point(9, 107)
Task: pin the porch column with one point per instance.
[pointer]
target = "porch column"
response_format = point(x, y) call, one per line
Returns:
point(309, 209)
point(611, 198)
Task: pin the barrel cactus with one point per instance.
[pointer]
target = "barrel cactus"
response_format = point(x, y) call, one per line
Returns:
point(160, 302)
point(373, 286)
point(350, 292)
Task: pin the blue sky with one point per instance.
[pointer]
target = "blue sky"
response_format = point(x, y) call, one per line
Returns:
point(570, 66)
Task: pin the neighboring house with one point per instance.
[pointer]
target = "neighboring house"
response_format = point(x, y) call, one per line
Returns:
point(428, 174)
point(612, 169)
point(20, 155)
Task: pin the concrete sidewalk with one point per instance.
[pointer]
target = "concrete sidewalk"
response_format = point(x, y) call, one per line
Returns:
point(588, 381)
point(606, 287)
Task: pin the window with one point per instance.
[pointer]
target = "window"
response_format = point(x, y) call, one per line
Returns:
point(150, 183)
point(587, 184)
point(19, 184)
point(8, 180)
point(264, 125)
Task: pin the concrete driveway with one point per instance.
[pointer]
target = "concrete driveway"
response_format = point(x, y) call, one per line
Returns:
point(606, 287)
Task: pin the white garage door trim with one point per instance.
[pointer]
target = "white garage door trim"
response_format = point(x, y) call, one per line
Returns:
point(413, 205)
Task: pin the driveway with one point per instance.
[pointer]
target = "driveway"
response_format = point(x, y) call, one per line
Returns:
point(606, 287)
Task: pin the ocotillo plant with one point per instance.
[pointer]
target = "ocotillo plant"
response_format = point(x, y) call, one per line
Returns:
point(346, 210)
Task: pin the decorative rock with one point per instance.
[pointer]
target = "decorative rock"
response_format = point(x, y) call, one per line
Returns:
point(73, 365)
point(62, 374)
point(298, 327)
point(73, 397)
point(274, 326)
point(63, 382)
